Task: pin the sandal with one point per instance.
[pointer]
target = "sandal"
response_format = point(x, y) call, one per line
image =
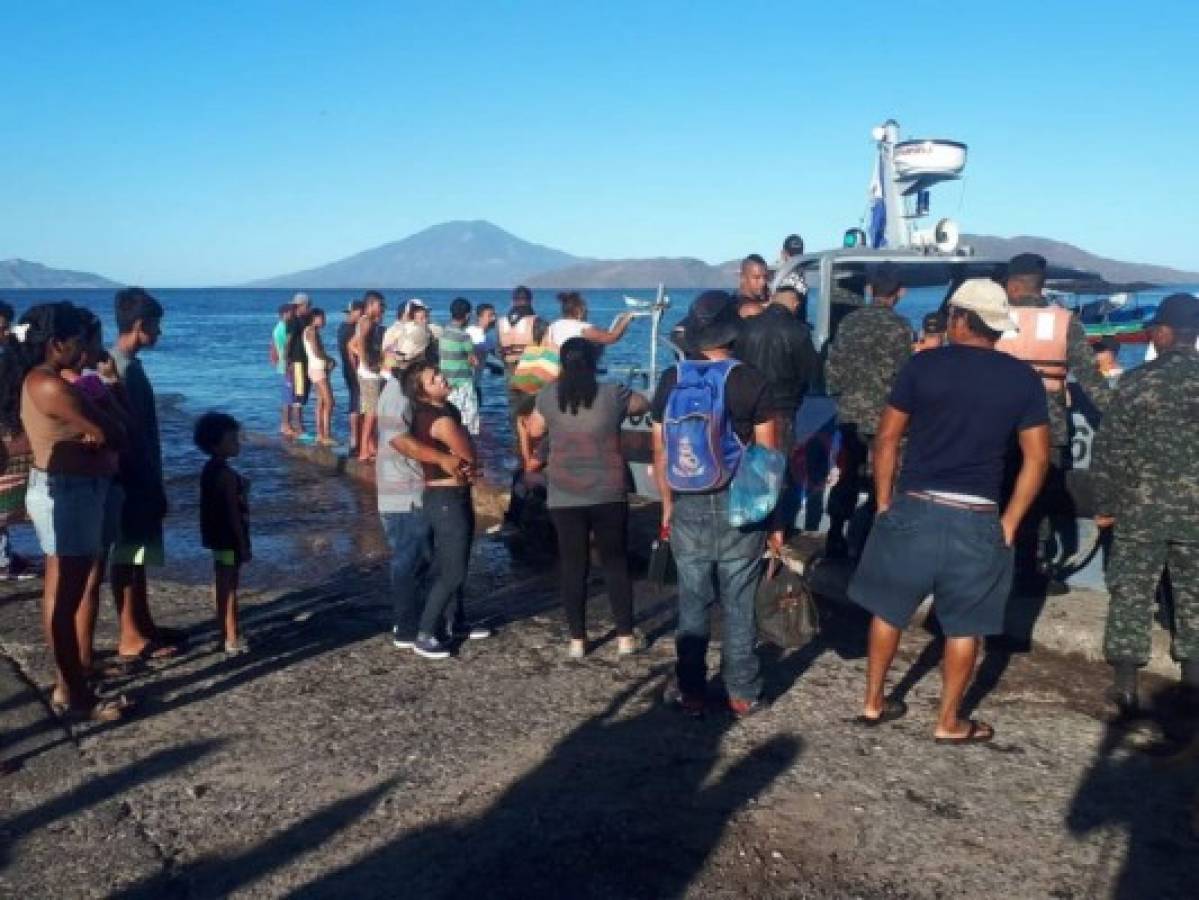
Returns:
point(892, 710)
point(112, 709)
point(153, 649)
point(977, 733)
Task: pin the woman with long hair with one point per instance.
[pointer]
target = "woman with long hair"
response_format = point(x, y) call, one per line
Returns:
point(448, 507)
point(588, 487)
point(320, 364)
point(574, 323)
point(107, 407)
point(68, 486)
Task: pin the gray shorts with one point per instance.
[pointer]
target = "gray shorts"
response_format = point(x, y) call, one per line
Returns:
point(917, 548)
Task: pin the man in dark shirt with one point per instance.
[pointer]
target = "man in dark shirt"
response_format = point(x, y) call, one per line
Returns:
point(139, 537)
point(297, 359)
point(779, 345)
point(716, 561)
point(751, 287)
point(349, 367)
point(940, 531)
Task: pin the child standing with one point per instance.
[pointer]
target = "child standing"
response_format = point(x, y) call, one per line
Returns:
point(224, 518)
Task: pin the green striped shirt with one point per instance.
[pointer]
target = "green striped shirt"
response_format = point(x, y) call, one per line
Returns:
point(454, 349)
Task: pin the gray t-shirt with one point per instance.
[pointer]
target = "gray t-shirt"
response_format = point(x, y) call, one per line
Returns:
point(585, 467)
point(398, 479)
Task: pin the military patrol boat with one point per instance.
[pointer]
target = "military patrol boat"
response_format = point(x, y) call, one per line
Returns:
point(891, 231)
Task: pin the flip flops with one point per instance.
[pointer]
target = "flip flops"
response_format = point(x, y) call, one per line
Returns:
point(154, 649)
point(977, 733)
point(892, 710)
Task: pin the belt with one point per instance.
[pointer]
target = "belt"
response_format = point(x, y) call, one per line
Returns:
point(955, 504)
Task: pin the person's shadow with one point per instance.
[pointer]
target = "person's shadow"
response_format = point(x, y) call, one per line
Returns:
point(625, 805)
point(1156, 801)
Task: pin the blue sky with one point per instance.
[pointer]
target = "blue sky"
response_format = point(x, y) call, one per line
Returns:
point(197, 144)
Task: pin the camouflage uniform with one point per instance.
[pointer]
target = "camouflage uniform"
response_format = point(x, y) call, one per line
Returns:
point(1146, 473)
point(872, 344)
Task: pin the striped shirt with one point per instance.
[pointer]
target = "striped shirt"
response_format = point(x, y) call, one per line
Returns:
point(454, 350)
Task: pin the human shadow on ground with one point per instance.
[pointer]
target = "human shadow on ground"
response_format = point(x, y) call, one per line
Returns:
point(99, 789)
point(219, 876)
point(1147, 801)
point(631, 803)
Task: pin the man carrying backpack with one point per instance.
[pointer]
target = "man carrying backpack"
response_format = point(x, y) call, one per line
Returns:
point(706, 410)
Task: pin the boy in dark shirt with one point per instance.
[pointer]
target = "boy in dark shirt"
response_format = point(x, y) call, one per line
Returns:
point(224, 518)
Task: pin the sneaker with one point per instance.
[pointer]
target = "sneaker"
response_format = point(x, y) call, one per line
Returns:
point(430, 648)
point(743, 709)
point(237, 648)
point(402, 642)
point(472, 632)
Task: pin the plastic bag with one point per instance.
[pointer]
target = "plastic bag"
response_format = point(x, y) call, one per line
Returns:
point(755, 488)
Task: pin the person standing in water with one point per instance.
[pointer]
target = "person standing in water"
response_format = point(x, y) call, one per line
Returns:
point(279, 361)
point(319, 366)
point(367, 348)
point(349, 369)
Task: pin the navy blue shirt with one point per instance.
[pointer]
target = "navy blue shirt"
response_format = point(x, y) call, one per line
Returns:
point(967, 405)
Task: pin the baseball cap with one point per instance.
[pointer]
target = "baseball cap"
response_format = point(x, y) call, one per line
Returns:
point(300, 299)
point(1179, 310)
point(793, 245)
point(988, 300)
point(412, 342)
point(933, 323)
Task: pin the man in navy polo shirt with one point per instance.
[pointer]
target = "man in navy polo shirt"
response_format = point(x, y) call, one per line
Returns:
point(940, 530)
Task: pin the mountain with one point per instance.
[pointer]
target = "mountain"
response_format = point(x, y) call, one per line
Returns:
point(1059, 252)
point(21, 273)
point(676, 272)
point(450, 255)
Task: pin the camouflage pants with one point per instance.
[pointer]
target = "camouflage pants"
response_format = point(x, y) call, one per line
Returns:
point(1133, 573)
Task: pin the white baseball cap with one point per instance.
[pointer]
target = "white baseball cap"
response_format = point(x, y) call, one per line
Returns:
point(988, 301)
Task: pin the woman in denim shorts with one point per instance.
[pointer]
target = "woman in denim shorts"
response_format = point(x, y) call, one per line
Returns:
point(68, 488)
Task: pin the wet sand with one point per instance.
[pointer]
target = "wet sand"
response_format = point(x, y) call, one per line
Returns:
point(329, 764)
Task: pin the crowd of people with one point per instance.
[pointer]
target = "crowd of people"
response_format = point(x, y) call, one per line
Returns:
point(957, 436)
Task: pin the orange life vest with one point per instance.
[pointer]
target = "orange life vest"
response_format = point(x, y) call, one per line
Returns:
point(514, 337)
point(1041, 342)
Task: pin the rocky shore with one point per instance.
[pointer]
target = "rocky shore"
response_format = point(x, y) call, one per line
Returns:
point(329, 764)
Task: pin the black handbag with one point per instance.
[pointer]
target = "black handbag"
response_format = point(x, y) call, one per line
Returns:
point(661, 561)
point(786, 611)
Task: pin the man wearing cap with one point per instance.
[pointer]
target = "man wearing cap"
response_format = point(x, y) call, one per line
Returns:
point(793, 247)
point(751, 287)
point(872, 344)
point(349, 366)
point(716, 561)
point(940, 529)
point(1146, 478)
point(1053, 341)
point(779, 345)
point(297, 359)
point(932, 332)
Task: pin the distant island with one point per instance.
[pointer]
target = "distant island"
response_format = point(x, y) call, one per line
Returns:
point(479, 254)
point(21, 274)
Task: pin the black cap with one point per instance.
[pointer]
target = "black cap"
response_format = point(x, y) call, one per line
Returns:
point(793, 245)
point(934, 323)
point(1026, 264)
point(884, 280)
point(1178, 311)
point(712, 322)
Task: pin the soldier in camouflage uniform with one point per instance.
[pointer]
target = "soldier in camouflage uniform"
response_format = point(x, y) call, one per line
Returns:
point(871, 345)
point(1146, 471)
point(1024, 283)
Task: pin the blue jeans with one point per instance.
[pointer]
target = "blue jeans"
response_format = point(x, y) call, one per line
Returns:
point(408, 537)
point(716, 562)
point(451, 516)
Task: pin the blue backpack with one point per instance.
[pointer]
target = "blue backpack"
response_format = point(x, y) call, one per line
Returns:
point(702, 449)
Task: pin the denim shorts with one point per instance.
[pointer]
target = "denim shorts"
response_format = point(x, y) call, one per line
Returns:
point(67, 512)
point(917, 548)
